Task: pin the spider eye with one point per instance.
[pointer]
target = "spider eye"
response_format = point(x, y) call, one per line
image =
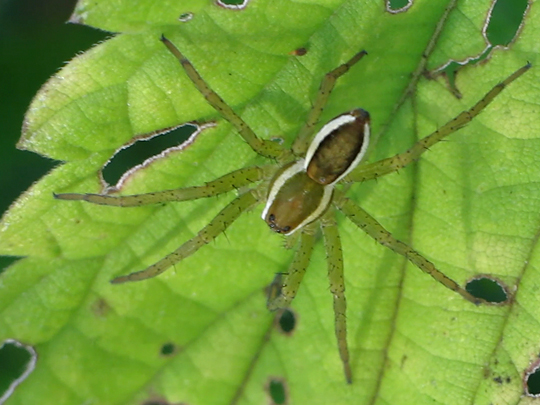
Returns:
point(294, 200)
point(338, 147)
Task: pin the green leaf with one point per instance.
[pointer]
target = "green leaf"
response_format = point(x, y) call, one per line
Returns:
point(200, 333)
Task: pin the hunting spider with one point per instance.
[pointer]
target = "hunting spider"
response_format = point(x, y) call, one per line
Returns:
point(299, 191)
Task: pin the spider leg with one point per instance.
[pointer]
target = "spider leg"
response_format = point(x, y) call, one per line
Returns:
point(297, 269)
point(303, 139)
point(261, 146)
point(334, 255)
point(216, 226)
point(374, 229)
point(226, 183)
point(399, 161)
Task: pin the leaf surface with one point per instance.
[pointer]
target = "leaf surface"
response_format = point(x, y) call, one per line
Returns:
point(200, 333)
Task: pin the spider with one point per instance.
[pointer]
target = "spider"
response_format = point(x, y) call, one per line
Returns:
point(299, 192)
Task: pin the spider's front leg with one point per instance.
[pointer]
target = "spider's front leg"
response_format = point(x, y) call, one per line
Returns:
point(231, 181)
point(218, 225)
point(334, 256)
point(399, 161)
point(261, 146)
point(303, 139)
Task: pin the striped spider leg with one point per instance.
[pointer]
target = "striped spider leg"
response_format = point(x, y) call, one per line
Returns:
point(299, 191)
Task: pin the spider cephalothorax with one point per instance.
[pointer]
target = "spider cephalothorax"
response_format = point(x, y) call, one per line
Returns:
point(300, 192)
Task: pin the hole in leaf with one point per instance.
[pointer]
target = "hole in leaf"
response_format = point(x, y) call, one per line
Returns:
point(488, 289)
point(17, 362)
point(502, 26)
point(277, 390)
point(232, 4)
point(168, 348)
point(286, 321)
point(185, 17)
point(532, 381)
point(504, 21)
point(143, 149)
point(398, 6)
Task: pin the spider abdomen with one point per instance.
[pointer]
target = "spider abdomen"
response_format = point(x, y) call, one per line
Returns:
point(294, 199)
point(338, 147)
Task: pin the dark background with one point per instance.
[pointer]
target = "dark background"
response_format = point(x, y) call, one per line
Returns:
point(35, 42)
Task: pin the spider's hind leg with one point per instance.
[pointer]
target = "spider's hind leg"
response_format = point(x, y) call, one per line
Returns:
point(374, 229)
point(218, 225)
point(295, 274)
point(334, 256)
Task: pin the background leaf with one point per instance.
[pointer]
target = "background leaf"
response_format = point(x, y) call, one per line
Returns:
point(200, 333)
